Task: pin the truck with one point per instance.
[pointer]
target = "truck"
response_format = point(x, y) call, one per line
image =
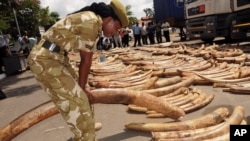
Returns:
point(208, 19)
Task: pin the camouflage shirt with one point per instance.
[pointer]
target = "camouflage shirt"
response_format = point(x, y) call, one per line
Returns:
point(76, 32)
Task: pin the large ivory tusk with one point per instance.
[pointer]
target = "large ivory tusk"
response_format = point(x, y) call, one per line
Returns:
point(49, 109)
point(164, 90)
point(213, 118)
point(235, 118)
point(223, 80)
point(167, 81)
point(27, 120)
point(137, 98)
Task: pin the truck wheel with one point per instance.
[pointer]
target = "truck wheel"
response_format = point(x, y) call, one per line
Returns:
point(228, 39)
point(207, 40)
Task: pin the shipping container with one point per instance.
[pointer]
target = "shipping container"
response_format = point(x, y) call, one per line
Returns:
point(169, 9)
point(173, 12)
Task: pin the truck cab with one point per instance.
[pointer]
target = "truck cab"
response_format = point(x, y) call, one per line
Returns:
point(208, 19)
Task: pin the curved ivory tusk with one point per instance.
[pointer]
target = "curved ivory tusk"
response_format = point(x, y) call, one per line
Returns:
point(27, 120)
point(213, 118)
point(138, 98)
point(223, 81)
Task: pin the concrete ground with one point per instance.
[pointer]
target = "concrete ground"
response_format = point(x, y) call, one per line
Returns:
point(23, 93)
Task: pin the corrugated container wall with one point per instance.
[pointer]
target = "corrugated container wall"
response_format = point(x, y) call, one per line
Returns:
point(165, 9)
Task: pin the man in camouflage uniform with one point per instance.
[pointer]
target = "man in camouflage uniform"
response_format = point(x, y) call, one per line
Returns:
point(77, 33)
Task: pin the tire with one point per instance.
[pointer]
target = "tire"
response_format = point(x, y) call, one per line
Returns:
point(207, 40)
point(228, 39)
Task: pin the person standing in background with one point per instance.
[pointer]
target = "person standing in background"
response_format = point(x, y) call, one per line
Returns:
point(121, 33)
point(117, 40)
point(26, 36)
point(100, 42)
point(144, 34)
point(126, 37)
point(151, 32)
point(165, 26)
point(137, 34)
point(158, 33)
point(4, 52)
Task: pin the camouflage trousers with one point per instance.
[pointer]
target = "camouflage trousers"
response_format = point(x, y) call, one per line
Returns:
point(56, 76)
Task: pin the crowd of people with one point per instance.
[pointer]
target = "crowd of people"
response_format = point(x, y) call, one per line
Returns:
point(120, 39)
point(150, 32)
point(144, 34)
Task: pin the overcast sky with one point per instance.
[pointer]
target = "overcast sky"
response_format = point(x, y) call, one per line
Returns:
point(63, 7)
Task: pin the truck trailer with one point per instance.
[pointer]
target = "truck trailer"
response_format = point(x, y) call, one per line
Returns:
point(208, 19)
point(173, 12)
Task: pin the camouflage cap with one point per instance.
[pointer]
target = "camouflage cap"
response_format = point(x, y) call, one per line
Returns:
point(120, 12)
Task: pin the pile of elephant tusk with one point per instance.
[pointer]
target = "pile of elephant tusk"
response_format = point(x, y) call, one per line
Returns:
point(213, 126)
point(158, 81)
